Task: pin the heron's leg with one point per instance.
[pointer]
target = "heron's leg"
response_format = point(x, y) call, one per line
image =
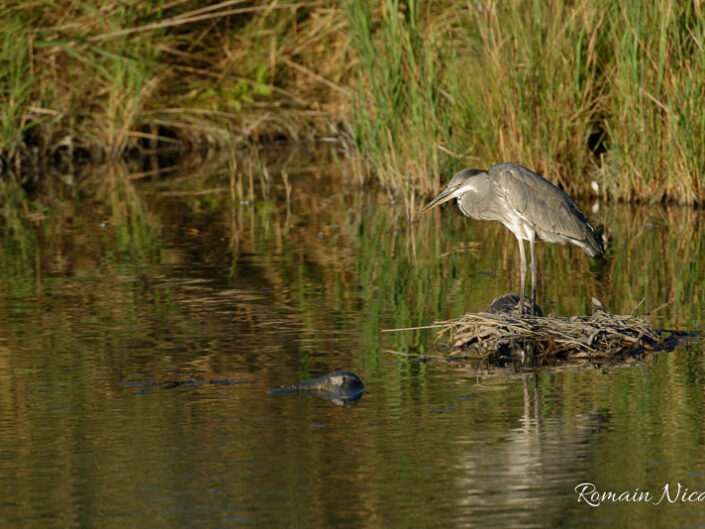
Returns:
point(532, 243)
point(522, 282)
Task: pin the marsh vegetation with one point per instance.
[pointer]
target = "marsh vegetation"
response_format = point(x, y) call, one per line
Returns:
point(598, 96)
point(184, 199)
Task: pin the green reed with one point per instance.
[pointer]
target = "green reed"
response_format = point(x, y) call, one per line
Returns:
point(654, 118)
point(16, 81)
point(399, 109)
point(483, 84)
point(586, 93)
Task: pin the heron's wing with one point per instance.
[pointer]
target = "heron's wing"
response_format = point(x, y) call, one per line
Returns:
point(486, 201)
point(551, 212)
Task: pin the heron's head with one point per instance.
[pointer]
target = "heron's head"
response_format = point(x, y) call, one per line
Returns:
point(461, 183)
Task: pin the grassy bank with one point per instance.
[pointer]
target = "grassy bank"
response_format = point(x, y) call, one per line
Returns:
point(586, 92)
point(606, 92)
point(101, 79)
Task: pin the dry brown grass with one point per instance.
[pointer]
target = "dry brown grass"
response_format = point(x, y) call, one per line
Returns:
point(118, 76)
point(547, 339)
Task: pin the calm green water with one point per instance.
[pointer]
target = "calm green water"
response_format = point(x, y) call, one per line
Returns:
point(235, 278)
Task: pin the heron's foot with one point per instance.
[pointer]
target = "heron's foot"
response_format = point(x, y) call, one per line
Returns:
point(513, 304)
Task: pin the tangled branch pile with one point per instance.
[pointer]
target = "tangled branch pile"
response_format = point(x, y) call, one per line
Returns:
point(505, 336)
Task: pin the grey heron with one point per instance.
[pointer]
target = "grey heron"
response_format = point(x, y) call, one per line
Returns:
point(530, 206)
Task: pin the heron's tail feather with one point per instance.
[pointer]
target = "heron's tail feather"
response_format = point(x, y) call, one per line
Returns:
point(593, 242)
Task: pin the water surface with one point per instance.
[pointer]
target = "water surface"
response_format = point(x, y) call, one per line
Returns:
point(145, 316)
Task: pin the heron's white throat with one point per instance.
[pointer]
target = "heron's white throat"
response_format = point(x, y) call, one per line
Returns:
point(465, 188)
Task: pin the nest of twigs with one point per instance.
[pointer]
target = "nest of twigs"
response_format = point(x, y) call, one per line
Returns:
point(509, 335)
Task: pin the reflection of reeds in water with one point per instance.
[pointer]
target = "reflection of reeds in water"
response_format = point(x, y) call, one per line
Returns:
point(657, 254)
point(249, 270)
point(333, 256)
point(19, 240)
point(130, 223)
point(80, 223)
point(359, 250)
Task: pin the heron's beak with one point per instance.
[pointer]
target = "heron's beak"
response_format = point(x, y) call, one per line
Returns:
point(446, 195)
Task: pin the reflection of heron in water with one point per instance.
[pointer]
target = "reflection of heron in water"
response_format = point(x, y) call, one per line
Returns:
point(530, 206)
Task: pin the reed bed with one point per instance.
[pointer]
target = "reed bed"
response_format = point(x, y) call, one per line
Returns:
point(101, 80)
point(601, 97)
